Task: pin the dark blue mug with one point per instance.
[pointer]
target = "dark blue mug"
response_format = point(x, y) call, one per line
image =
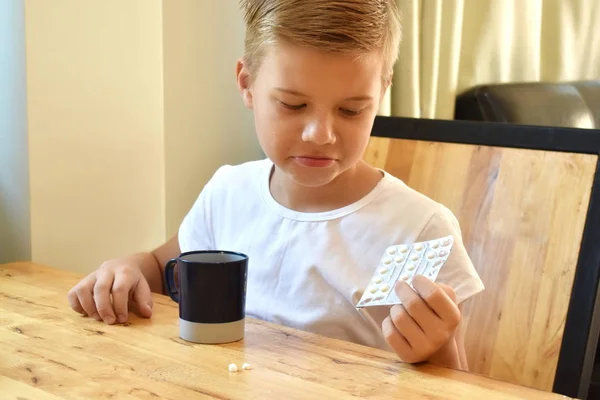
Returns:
point(211, 292)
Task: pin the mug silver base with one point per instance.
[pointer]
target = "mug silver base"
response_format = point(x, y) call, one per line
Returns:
point(225, 332)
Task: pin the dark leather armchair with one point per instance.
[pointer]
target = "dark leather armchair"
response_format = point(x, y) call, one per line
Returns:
point(568, 104)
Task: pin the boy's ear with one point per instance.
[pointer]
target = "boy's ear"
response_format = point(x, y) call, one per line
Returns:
point(243, 82)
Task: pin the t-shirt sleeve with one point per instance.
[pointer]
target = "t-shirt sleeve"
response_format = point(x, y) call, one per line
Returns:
point(196, 229)
point(458, 272)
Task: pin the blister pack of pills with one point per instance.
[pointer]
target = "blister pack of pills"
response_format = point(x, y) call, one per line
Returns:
point(403, 262)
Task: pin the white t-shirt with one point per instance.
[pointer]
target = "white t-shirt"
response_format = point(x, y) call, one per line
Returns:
point(309, 270)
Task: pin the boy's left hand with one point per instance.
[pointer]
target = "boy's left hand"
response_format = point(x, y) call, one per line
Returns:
point(424, 322)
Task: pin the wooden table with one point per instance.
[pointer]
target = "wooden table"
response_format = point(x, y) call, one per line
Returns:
point(47, 351)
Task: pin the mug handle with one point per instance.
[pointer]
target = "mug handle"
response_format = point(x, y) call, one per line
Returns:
point(170, 280)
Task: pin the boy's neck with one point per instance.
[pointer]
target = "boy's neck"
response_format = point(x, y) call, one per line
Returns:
point(347, 188)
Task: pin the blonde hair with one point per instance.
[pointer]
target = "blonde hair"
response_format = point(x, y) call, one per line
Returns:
point(338, 26)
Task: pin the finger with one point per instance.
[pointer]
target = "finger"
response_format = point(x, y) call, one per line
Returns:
point(121, 289)
point(408, 327)
point(396, 341)
point(142, 295)
point(102, 288)
point(438, 300)
point(74, 301)
point(417, 308)
point(449, 291)
point(85, 296)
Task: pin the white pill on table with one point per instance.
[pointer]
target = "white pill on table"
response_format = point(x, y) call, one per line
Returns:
point(391, 250)
point(246, 366)
point(233, 368)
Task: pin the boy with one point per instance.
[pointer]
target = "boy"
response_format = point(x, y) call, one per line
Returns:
point(313, 217)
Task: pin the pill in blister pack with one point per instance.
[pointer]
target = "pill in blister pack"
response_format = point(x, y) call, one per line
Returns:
point(403, 262)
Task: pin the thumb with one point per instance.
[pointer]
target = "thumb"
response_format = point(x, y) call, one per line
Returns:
point(142, 296)
point(449, 291)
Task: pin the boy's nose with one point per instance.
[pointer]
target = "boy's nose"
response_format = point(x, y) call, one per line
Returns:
point(319, 132)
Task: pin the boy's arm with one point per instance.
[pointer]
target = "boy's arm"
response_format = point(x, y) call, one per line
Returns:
point(154, 268)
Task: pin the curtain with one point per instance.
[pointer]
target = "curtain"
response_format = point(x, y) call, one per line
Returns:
point(452, 45)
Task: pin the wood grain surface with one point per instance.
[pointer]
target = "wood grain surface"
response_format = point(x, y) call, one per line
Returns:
point(50, 352)
point(522, 214)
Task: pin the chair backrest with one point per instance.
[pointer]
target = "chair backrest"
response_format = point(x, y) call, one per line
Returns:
point(565, 104)
point(522, 212)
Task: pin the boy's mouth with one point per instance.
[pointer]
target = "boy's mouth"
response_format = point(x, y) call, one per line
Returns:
point(314, 162)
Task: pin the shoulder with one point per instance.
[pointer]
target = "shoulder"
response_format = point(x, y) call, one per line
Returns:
point(416, 213)
point(401, 201)
point(238, 177)
point(241, 172)
point(218, 197)
point(229, 180)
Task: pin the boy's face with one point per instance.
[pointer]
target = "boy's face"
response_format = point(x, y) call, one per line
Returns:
point(313, 110)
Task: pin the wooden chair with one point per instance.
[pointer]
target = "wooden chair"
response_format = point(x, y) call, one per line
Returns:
point(530, 218)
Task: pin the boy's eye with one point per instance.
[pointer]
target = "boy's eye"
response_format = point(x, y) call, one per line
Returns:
point(350, 113)
point(293, 106)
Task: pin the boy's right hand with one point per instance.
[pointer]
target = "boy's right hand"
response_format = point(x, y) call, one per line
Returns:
point(119, 278)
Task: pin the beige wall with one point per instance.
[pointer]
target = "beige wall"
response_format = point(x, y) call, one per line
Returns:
point(95, 104)
point(132, 107)
point(15, 242)
point(206, 124)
